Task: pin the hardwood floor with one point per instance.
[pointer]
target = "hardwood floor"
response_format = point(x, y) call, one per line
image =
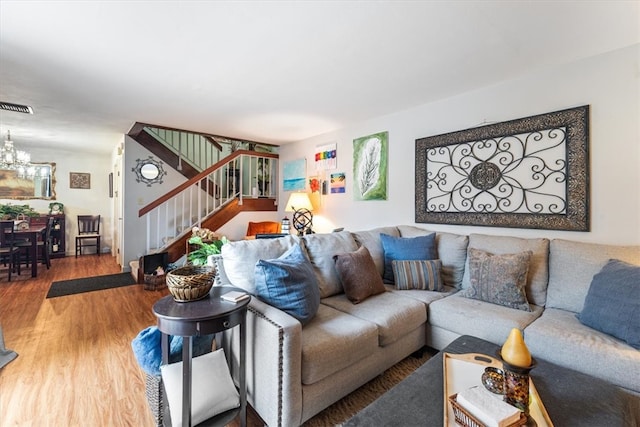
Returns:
point(75, 365)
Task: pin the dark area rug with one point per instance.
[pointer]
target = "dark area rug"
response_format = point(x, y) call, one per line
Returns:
point(88, 284)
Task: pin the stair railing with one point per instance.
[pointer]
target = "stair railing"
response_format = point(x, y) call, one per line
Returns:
point(193, 148)
point(242, 174)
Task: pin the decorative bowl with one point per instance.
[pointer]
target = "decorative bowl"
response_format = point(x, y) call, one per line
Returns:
point(493, 380)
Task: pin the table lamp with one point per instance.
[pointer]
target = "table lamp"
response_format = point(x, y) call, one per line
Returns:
point(300, 205)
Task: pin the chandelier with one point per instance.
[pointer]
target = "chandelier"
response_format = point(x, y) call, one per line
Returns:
point(18, 160)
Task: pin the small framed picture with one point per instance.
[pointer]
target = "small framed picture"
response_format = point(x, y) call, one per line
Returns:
point(79, 180)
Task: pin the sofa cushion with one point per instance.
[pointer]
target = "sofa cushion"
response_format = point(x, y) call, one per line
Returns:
point(371, 240)
point(358, 275)
point(498, 279)
point(240, 258)
point(337, 333)
point(538, 276)
point(612, 305)
point(572, 266)
point(426, 297)
point(406, 248)
point(558, 336)
point(418, 274)
point(451, 250)
point(289, 284)
point(492, 322)
point(321, 248)
point(395, 316)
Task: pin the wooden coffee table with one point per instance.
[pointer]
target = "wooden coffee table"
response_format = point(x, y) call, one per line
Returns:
point(571, 398)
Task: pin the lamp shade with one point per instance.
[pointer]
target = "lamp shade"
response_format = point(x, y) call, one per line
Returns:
point(298, 201)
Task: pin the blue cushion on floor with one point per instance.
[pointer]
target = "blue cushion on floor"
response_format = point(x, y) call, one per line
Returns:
point(148, 351)
point(612, 304)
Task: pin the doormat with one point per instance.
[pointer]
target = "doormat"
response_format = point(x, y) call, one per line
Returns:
point(89, 284)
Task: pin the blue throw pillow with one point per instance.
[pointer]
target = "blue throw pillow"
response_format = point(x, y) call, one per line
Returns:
point(406, 249)
point(289, 283)
point(612, 304)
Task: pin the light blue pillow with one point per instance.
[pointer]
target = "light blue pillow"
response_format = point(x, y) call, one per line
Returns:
point(612, 304)
point(406, 249)
point(289, 284)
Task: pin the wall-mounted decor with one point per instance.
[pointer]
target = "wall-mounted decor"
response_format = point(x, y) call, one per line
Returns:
point(326, 156)
point(111, 185)
point(294, 175)
point(338, 181)
point(80, 180)
point(35, 182)
point(527, 173)
point(370, 164)
point(149, 171)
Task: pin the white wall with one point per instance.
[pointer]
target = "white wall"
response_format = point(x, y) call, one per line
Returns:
point(137, 195)
point(93, 201)
point(608, 83)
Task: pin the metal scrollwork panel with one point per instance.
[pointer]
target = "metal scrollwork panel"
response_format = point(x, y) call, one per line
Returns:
point(527, 173)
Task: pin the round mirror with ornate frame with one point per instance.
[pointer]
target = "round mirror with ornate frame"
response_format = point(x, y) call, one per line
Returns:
point(149, 171)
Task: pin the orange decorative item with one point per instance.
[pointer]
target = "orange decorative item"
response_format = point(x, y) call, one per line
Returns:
point(514, 350)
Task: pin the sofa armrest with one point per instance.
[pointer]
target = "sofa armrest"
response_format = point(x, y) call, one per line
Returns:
point(273, 363)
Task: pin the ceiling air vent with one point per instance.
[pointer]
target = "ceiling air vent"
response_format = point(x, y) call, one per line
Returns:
point(17, 108)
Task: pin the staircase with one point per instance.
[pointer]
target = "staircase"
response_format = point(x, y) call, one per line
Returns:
point(223, 181)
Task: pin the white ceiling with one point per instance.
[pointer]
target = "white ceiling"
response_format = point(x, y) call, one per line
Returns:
point(272, 71)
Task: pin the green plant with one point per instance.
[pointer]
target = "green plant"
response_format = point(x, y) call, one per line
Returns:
point(12, 211)
point(200, 255)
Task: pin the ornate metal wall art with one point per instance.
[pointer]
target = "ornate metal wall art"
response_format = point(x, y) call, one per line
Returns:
point(527, 173)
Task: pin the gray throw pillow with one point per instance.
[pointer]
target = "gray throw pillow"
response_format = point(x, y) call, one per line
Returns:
point(612, 304)
point(289, 284)
point(499, 279)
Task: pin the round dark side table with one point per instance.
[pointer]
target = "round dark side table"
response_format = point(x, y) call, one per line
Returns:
point(207, 316)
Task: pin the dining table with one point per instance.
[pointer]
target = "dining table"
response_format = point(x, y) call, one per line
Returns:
point(32, 233)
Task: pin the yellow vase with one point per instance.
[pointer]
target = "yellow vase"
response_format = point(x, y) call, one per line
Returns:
point(514, 350)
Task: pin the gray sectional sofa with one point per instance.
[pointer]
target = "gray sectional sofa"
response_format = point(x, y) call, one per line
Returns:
point(295, 371)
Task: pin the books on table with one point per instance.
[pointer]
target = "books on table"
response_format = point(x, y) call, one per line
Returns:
point(487, 408)
point(235, 296)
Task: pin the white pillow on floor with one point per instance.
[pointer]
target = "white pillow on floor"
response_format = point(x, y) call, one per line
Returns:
point(212, 389)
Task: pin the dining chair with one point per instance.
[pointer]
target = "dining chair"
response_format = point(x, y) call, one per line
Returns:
point(44, 244)
point(9, 254)
point(88, 233)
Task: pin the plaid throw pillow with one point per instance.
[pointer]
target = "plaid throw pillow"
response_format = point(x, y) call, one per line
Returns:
point(418, 274)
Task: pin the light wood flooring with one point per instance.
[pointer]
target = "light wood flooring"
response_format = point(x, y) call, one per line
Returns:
point(75, 365)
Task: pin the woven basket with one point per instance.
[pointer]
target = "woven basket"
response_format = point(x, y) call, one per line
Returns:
point(465, 419)
point(191, 282)
point(153, 282)
point(153, 390)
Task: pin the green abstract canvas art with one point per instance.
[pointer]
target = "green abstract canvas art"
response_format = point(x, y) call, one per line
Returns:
point(370, 167)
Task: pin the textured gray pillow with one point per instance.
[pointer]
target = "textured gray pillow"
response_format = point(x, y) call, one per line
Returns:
point(538, 276)
point(498, 279)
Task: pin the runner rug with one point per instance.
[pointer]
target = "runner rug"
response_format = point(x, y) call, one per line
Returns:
point(88, 284)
